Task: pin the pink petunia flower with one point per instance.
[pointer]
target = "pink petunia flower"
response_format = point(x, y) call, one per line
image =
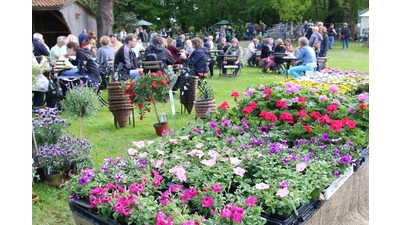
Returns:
point(300, 167)
point(199, 145)
point(235, 161)
point(207, 201)
point(185, 137)
point(283, 192)
point(132, 151)
point(216, 187)
point(138, 144)
point(239, 171)
point(210, 162)
point(262, 186)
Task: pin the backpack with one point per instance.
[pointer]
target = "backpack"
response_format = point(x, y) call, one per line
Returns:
point(151, 56)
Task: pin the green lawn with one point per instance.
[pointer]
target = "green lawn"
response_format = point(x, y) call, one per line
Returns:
point(107, 141)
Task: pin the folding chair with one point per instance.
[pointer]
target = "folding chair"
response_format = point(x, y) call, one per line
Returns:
point(152, 66)
point(228, 64)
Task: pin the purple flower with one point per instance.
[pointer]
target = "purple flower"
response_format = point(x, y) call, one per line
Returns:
point(118, 178)
point(250, 91)
point(196, 130)
point(325, 137)
point(351, 144)
point(218, 133)
point(231, 140)
point(293, 157)
point(295, 100)
point(323, 98)
point(336, 151)
point(345, 159)
point(362, 97)
point(74, 197)
point(225, 122)
point(351, 110)
point(333, 88)
point(335, 102)
point(83, 180)
point(213, 124)
point(284, 183)
point(261, 87)
point(285, 160)
point(313, 90)
point(305, 158)
point(336, 173)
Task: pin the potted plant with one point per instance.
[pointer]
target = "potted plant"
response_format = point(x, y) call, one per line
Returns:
point(205, 102)
point(152, 87)
point(61, 159)
point(47, 127)
point(81, 101)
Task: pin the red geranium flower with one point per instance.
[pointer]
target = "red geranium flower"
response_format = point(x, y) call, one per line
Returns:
point(235, 94)
point(302, 113)
point(362, 106)
point(308, 129)
point(253, 105)
point(150, 99)
point(287, 117)
point(140, 105)
point(315, 115)
point(281, 104)
point(153, 74)
point(224, 106)
point(336, 125)
point(247, 110)
point(159, 73)
point(331, 108)
point(324, 119)
point(163, 82)
point(140, 72)
point(154, 84)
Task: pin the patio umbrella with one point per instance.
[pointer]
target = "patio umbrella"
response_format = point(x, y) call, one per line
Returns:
point(144, 23)
point(222, 22)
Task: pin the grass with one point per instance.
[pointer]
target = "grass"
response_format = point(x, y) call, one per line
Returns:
point(107, 141)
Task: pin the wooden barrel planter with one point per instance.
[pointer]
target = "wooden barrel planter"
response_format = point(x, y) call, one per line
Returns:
point(119, 103)
point(203, 106)
point(188, 92)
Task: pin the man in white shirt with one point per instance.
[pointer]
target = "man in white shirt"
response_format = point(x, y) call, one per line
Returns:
point(210, 40)
point(138, 47)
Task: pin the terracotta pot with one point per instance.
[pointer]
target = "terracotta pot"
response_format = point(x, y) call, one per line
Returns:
point(160, 127)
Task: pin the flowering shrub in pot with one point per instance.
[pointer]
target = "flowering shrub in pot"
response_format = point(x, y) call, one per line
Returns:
point(279, 147)
point(152, 87)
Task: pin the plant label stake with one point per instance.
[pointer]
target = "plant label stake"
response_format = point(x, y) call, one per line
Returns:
point(171, 102)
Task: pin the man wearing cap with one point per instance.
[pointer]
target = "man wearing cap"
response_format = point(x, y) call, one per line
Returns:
point(115, 43)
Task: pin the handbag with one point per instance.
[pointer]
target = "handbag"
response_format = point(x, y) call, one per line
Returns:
point(55, 90)
point(342, 36)
point(315, 44)
point(42, 84)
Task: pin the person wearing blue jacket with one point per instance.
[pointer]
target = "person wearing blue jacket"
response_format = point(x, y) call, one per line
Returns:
point(198, 58)
point(306, 55)
point(345, 34)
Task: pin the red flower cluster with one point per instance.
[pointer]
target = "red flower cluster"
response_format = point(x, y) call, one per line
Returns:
point(235, 95)
point(224, 106)
point(287, 117)
point(281, 104)
point(267, 92)
point(249, 109)
point(268, 116)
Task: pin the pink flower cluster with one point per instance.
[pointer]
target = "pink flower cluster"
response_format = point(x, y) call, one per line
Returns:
point(233, 211)
point(179, 172)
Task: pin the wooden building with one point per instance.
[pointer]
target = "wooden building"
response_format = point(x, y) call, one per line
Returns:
point(53, 18)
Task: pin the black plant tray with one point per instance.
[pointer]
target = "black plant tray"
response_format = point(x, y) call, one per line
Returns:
point(82, 210)
point(364, 157)
point(305, 212)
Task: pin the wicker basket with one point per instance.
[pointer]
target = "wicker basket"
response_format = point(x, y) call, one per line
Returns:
point(203, 106)
point(119, 103)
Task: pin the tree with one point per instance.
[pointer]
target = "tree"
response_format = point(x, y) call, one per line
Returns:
point(105, 17)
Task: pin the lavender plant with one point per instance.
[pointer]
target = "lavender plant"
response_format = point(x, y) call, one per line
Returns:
point(68, 153)
point(48, 126)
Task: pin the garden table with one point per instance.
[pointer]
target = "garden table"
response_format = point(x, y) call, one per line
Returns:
point(288, 61)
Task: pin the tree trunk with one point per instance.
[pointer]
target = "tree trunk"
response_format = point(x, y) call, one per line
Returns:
point(105, 18)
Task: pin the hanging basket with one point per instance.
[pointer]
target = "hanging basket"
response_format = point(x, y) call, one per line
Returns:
point(188, 93)
point(122, 116)
point(203, 106)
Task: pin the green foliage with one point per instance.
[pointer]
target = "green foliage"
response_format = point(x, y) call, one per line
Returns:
point(126, 20)
point(81, 101)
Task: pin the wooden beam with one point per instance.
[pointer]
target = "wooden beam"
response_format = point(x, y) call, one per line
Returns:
point(59, 18)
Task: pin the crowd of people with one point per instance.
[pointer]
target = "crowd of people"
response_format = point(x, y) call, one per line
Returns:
point(127, 50)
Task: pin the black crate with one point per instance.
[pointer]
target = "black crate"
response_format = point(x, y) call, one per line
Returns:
point(364, 157)
point(82, 210)
point(305, 212)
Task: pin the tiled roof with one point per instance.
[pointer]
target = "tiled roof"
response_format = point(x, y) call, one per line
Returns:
point(46, 3)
